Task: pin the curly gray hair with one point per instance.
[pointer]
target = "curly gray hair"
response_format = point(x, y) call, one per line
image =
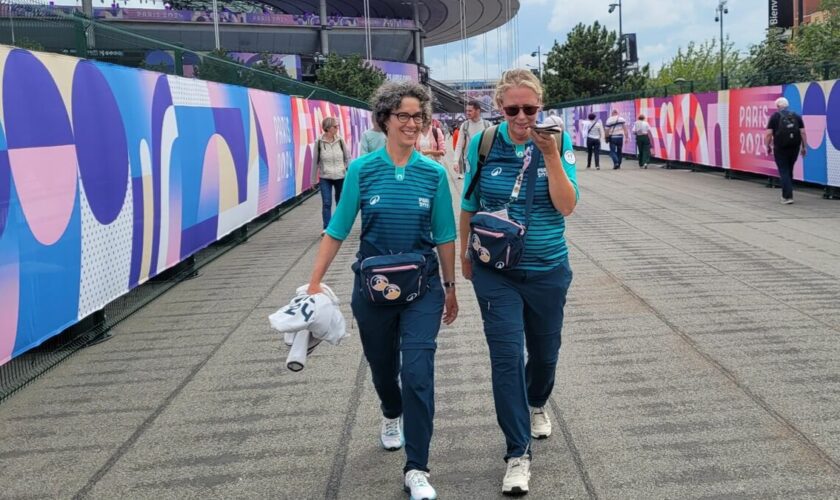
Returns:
point(388, 98)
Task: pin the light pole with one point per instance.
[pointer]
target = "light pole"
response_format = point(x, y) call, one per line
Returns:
point(216, 24)
point(538, 55)
point(720, 11)
point(620, 40)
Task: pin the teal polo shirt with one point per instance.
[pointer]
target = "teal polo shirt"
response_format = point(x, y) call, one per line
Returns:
point(404, 209)
point(545, 242)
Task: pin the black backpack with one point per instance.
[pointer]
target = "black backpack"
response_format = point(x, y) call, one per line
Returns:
point(787, 134)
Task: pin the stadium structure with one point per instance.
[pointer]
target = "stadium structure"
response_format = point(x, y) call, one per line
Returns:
point(392, 33)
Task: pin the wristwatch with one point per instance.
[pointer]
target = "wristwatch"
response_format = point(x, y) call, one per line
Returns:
point(448, 284)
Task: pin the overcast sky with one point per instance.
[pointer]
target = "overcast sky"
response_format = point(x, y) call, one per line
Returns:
point(661, 27)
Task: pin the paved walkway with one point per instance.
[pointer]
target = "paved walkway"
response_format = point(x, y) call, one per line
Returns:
point(701, 359)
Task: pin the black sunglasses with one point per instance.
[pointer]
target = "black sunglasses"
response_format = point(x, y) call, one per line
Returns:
point(514, 110)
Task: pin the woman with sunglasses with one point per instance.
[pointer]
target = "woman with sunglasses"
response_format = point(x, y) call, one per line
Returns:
point(521, 306)
point(407, 213)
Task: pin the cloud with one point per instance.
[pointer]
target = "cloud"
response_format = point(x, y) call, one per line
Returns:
point(661, 27)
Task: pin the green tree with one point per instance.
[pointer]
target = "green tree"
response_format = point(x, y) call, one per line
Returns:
point(699, 64)
point(271, 75)
point(819, 43)
point(774, 62)
point(587, 64)
point(218, 66)
point(352, 76)
point(28, 44)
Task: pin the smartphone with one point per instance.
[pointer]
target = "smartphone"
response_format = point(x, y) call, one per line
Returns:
point(547, 128)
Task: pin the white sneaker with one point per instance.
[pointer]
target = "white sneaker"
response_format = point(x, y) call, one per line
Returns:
point(517, 476)
point(787, 201)
point(390, 434)
point(417, 484)
point(540, 424)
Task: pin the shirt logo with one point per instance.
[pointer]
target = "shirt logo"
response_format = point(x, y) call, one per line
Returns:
point(541, 172)
point(496, 171)
point(569, 156)
point(374, 200)
point(424, 202)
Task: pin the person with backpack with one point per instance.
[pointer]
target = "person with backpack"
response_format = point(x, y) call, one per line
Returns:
point(785, 139)
point(472, 126)
point(331, 158)
point(431, 143)
point(519, 188)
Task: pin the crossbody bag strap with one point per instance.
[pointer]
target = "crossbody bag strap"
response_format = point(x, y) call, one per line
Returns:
point(484, 147)
point(529, 194)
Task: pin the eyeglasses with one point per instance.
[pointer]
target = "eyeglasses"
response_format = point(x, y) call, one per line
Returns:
point(514, 110)
point(404, 117)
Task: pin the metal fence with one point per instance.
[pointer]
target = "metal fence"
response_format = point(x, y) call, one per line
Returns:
point(36, 26)
point(812, 71)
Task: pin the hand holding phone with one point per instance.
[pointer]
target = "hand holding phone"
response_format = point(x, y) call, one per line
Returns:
point(547, 128)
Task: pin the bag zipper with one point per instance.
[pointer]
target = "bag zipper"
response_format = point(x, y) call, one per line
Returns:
point(407, 267)
point(488, 233)
point(520, 226)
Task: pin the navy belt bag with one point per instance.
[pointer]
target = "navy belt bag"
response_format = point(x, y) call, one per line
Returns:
point(394, 279)
point(498, 242)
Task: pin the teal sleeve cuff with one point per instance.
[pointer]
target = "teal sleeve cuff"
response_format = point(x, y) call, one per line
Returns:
point(569, 167)
point(443, 217)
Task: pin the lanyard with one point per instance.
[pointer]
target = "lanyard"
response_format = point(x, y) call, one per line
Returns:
point(517, 186)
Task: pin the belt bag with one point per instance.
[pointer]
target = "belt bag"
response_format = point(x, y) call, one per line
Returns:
point(394, 279)
point(498, 242)
point(495, 241)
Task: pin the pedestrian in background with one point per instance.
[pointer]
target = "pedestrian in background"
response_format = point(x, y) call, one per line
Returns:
point(472, 126)
point(786, 140)
point(431, 142)
point(525, 180)
point(372, 139)
point(594, 132)
point(331, 157)
point(398, 299)
point(644, 139)
point(554, 118)
point(616, 135)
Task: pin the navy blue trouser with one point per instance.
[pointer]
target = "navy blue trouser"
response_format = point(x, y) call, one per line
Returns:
point(785, 161)
point(616, 148)
point(327, 186)
point(519, 309)
point(386, 332)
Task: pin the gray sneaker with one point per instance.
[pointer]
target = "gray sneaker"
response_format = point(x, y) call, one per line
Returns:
point(517, 476)
point(417, 485)
point(390, 434)
point(540, 424)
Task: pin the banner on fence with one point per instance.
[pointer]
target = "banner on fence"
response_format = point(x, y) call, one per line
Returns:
point(110, 175)
point(727, 129)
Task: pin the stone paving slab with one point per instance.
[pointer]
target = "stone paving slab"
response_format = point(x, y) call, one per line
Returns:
point(700, 360)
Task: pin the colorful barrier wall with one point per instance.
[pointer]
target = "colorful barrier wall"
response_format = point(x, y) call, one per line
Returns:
point(726, 129)
point(110, 175)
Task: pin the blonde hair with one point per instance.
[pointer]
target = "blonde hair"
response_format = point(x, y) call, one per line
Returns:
point(328, 123)
point(513, 78)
